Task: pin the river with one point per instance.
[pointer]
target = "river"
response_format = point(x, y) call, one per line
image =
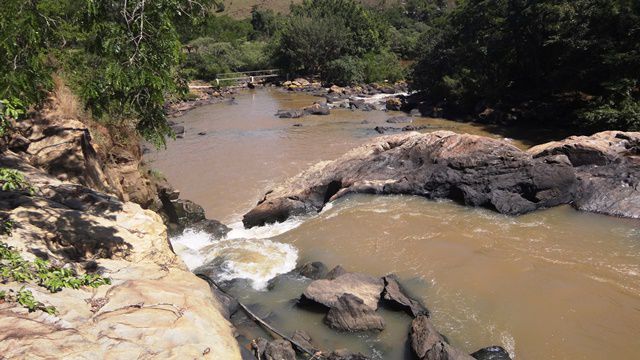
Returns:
point(554, 284)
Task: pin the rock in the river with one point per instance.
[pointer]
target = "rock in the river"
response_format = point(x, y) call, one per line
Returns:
point(212, 227)
point(312, 270)
point(335, 272)
point(347, 355)
point(469, 169)
point(350, 313)
point(608, 170)
point(491, 353)
point(399, 119)
point(290, 114)
point(304, 339)
point(428, 344)
point(178, 129)
point(317, 109)
point(393, 104)
point(395, 296)
point(279, 350)
point(361, 105)
point(327, 292)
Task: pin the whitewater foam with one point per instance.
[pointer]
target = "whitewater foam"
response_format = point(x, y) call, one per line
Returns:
point(243, 253)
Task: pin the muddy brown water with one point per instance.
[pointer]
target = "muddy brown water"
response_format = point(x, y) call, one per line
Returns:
point(555, 284)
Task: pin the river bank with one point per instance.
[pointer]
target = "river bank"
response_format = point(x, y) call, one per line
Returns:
point(487, 278)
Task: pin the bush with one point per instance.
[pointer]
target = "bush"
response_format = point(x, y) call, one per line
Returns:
point(382, 66)
point(344, 71)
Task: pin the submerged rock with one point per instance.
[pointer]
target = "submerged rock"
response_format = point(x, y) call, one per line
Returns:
point(304, 339)
point(469, 169)
point(395, 296)
point(346, 355)
point(312, 270)
point(399, 119)
point(428, 344)
point(350, 313)
point(491, 353)
point(317, 109)
point(335, 272)
point(290, 114)
point(327, 292)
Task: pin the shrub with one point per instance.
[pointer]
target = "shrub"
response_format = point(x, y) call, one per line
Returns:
point(382, 66)
point(344, 71)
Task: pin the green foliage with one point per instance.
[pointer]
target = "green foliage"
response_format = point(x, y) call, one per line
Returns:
point(13, 180)
point(511, 51)
point(26, 32)
point(10, 109)
point(347, 70)
point(209, 58)
point(382, 66)
point(372, 67)
point(124, 54)
point(265, 23)
point(6, 227)
point(618, 108)
point(26, 299)
point(15, 268)
point(321, 31)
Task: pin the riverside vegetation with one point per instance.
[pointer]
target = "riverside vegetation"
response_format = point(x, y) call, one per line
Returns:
point(83, 82)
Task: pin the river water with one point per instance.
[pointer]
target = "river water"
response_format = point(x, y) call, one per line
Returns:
point(555, 284)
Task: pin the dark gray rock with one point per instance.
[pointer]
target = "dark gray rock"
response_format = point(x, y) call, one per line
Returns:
point(279, 350)
point(395, 296)
point(346, 355)
point(290, 114)
point(258, 346)
point(428, 344)
point(491, 353)
point(350, 313)
point(312, 270)
point(212, 227)
point(399, 119)
point(317, 109)
point(359, 104)
point(335, 272)
point(304, 339)
point(178, 129)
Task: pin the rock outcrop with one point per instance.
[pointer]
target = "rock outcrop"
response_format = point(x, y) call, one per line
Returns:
point(154, 307)
point(472, 170)
point(607, 166)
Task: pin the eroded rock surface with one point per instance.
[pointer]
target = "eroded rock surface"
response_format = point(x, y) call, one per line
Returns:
point(154, 308)
point(600, 173)
point(327, 292)
point(350, 313)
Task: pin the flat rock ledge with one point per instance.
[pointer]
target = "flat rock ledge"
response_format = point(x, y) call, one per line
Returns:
point(598, 173)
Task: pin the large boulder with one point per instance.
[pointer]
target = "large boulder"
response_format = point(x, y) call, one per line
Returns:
point(351, 314)
point(469, 169)
point(608, 170)
point(327, 292)
point(394, 104)
point(428, 344)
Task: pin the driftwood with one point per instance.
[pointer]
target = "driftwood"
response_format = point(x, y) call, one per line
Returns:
point(257, 319)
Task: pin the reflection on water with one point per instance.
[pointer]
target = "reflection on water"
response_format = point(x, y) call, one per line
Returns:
point(555, 284)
